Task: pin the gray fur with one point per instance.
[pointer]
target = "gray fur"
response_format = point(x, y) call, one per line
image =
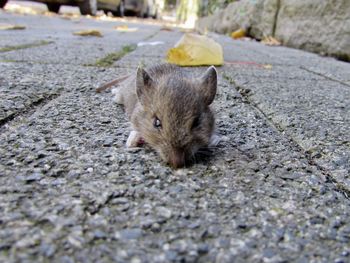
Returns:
point(178, 100)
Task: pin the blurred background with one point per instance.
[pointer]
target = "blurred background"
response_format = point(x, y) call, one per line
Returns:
point(182, 11)
point(318, 26)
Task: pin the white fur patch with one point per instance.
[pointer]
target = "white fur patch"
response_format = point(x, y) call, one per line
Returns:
point(133, 139)
point(118, 98)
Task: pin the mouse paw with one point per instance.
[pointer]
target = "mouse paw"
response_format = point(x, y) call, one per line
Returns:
point(134, 140)
point(214, 140)
point(118, 98)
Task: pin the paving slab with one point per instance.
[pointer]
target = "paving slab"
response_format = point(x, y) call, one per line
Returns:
point(257, 196)
point(315, 117)
point(25, 86)
point(279, 55)
point(335, 70)
point(251, 51)
point(311, 108)
point(72, 192)
point(148, 54)
point(35, 80)
point(65, 48)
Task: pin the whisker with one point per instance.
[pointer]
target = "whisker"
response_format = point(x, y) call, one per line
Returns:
point(205, 150)
point(193, 159)
point(213, 147)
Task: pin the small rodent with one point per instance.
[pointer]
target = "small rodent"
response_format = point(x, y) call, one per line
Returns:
point(169, 109)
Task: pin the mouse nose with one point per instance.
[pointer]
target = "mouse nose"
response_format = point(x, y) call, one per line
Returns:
point(177, 158)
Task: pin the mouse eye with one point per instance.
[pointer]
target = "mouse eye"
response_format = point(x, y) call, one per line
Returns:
point(196, 122)
point(156, 123)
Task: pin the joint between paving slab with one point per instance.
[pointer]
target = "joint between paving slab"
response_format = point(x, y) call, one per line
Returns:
point(327, 77)
point(152, 35)
point(111, 58)
point(25, 46)
point(244, 92)
point(13, 118)
point(29, 62)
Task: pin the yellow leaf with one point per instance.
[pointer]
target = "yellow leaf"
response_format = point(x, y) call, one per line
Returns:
point(195, 50)
point(125, 28)
point(12, 27)
point(271, 41)
point(267, 66)
point(90, 32)
point(238, 33)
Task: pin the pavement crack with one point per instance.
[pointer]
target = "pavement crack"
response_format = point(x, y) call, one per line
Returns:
point(246, 93)
point(24, 46)
point(151, 35)
point(110, 58)
point(327, 77)
point(17, 116)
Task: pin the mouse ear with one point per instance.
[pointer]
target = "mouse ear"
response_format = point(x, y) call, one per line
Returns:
point(208, 84)
point(144, 85)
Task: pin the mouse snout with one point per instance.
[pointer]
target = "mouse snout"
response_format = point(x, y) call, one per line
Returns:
point(177, 158)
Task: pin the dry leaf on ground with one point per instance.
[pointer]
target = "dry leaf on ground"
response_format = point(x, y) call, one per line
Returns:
point(91, 32)
point(12, 27)
point(166, 28)
point(267, 66)
point(125, 28)
point(70, 16)
point(238, 33)
point(271, 41)
point(195, 50)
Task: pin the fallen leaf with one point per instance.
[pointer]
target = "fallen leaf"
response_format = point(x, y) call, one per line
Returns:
point(238, 33)
point(195, 50)
point(125, 28)
point(91, 32)
point(12, 27)
point(267, 66)
point(271, 41)
point(70, 16)
point(166, 28)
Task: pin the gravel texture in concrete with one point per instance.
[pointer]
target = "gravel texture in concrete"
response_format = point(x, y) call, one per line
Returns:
point(307, 105)
point(274, 190)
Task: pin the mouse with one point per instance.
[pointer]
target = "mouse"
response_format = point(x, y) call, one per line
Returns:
point(170, 110)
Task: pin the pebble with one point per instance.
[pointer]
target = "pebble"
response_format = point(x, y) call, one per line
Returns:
point(164, 212)
point(129, 233)
point(34, 177)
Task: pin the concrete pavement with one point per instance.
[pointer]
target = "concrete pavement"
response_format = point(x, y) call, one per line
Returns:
point(276, 189)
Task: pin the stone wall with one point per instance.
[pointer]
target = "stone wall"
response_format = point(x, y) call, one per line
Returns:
point(321, 26)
